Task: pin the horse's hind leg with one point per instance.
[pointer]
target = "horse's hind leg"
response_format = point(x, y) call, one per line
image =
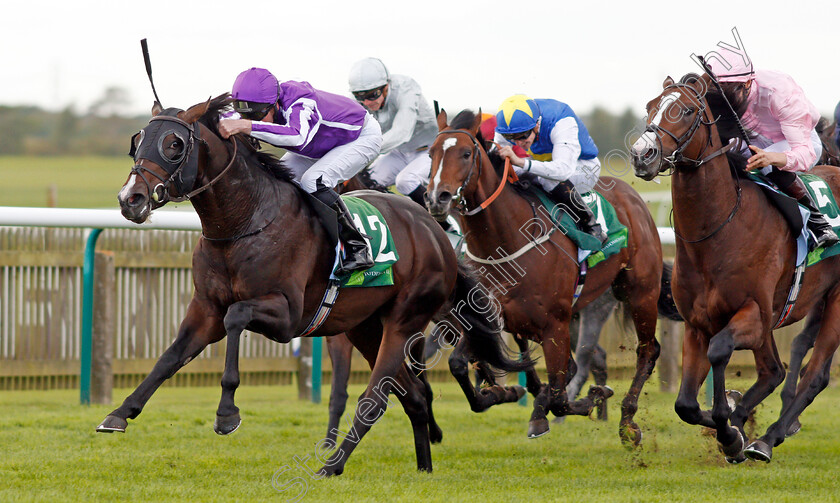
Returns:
point(599, 374)
point(341, 352)
point(479, 399)
point(388, 364)
point(417, 351)
point(532, 379)
point(814, 380)
point(198, 329)
point(802, 343)
point(642, 306)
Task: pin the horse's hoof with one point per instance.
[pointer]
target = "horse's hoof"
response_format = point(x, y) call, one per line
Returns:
point(435, 434)
point(733, 398)
point(736, 448)
point(600, 393)
point(736, 460)
point(330, 471)
point(537, 428)
point(112, 424)
point(630, 434)
point(759, 450)
point(225, 425)
point(793, 428)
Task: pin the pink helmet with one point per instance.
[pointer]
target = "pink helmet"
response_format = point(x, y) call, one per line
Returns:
point(730, 66)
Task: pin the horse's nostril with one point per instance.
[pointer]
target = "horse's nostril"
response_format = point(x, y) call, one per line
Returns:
point(136, 200)
point(444, 197)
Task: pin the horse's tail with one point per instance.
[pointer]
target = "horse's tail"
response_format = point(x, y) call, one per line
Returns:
point(483, 330)
point(666, 305)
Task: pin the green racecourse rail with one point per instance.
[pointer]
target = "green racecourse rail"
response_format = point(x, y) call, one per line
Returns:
point(98, 219)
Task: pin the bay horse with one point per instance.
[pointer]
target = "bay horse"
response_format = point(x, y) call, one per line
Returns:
point(263, 264)
point(537, 289)
point(734, 269)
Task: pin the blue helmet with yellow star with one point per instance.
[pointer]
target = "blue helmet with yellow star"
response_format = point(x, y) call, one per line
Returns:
point(517, 114)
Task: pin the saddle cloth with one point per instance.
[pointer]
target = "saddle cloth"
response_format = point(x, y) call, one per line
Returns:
point(589, 248)
point(370, 222)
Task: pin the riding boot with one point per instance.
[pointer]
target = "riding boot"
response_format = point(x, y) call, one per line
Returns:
point(418, 195)
point(818, 226)
point(566, 194)
point(356, 254)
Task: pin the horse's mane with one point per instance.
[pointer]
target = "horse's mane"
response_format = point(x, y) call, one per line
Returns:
point(269, 162)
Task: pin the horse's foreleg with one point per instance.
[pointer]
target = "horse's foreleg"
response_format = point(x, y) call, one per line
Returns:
point(198, 329)
point(269, 314)
point(341, 352)
point(814, 380)
point(742, 331)
point(532, 379)
point(591, 322)
point(695, 368)
point(771, 373)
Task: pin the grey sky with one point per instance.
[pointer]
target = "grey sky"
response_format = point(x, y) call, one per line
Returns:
point(464, 54)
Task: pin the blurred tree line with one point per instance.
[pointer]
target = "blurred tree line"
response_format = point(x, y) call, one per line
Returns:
point(104, 129)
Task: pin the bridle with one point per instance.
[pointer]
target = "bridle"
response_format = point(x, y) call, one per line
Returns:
point(182, 169)
point(678, 160)
point(460, 200)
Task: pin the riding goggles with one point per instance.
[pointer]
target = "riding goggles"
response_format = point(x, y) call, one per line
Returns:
point(514, 137)
point(251, 110)
point(368, 95)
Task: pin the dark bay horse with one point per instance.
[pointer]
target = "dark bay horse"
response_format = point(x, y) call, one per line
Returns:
point(537, 288)
point(263, 264)
point(733, 272)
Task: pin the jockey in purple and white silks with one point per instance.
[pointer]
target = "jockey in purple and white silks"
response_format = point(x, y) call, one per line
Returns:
point(563, 155)
point(781, 122)
point(408, 126)
point(328, 138)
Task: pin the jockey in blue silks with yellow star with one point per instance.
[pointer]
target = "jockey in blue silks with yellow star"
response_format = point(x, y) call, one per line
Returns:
point(563, 155)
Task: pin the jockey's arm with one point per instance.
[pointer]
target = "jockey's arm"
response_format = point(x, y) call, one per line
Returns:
point(796, 126)
point(303, 115)
point(564, 152)
point(405, 120)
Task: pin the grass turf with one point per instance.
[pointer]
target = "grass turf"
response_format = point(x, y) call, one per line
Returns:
point(170, 453)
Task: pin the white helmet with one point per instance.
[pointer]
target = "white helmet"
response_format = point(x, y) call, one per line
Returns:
point(367, 74)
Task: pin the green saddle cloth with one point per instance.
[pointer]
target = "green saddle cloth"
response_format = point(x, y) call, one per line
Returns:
point(372, 225)
point(824, 199)
point(589, 247)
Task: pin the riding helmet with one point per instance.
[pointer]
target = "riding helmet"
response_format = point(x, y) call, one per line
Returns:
point(256, 85)
point(517, 114)
point(367, 74)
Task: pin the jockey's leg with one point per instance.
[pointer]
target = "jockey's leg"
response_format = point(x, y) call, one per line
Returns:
point(386, 167)
point(565, 194)
point(356, 254)
point(819, 227)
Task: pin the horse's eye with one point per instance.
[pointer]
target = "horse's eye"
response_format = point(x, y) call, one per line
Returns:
point(467, 154)
point(688, 111)
point(175, 150)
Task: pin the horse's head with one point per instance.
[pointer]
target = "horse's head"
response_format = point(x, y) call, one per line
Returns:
point(167, 159)
point(456, 163)
point(673, 135)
